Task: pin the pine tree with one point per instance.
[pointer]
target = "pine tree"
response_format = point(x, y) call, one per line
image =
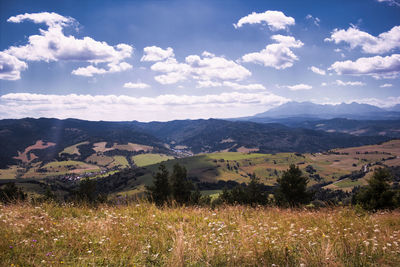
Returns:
point(255, 192)
point(377, 195)
point(160, 191)
point(181, 187)
point(292, 188)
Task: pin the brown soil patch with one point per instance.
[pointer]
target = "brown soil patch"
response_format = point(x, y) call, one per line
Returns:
point(38, 145)
point(243, 149)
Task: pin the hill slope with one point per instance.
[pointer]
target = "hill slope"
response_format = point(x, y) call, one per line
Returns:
point(203, 136)
point(101, 143)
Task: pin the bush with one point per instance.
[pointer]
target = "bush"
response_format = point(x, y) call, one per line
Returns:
point(11, 193)
point(252, 194)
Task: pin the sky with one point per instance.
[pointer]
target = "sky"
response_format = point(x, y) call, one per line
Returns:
point(184, 59)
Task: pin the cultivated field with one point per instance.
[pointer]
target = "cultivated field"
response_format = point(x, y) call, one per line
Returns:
point(140, 234)
point(142, 160)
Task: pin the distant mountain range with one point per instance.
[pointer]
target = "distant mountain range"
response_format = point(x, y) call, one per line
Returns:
point(43, 140)
point(308, 110)
point(355, 119)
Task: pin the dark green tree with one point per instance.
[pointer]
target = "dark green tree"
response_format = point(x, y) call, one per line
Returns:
point(11, 193)
point(160, 191)
point(180, 185)
point(236, 195)
point(48, 194)
point(87, 191)
point(255, 194)
point(377, 195)
point(292, 188)
point(251, 194)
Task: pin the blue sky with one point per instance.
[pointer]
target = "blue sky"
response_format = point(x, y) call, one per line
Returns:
point(164, 60)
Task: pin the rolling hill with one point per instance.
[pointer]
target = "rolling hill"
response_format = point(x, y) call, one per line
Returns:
point(39, 148)
point(204, 136)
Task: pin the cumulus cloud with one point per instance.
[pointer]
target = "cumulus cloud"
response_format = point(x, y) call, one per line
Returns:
point(386, 85)
point(53, 45)
point(163, 107)
point(206, 68)
point(88, 71)
point(173, 71)
point(50, 19)
point(137, 85)
point(91, 70)
point(155, 53)
point(277, 55)
point(342, 83)
point(11, 67)
point(276, 20)
point(377, 66)
point(298, 87)
point(315, 20)
point(317, 70)
point(233, 85)
point(383, 43)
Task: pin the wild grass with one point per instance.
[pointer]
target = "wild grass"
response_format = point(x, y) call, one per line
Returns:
point(140, 234)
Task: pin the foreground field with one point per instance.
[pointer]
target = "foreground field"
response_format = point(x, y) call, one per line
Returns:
point(141, 234)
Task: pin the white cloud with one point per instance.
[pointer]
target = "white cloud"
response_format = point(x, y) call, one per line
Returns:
point(155, 53)
point(174, 71)
point(91, 70)
point(208, 68)
point(386, 85)
point(298, 87)
point(390, 2)
point(324, 84)
point(53, 45)
point(11, 67)
point(207, 83)
point(276, 20)
point(377, 66)
point(277, 55)
point(213, 67)
point(382, 103)
point(50, 19)
point(385, 42)
point(137, 85)
point(315, 20)
point(88, 71)
point(233, 85)
point(252, 86)
point(317, 70)
point(342, 83)
point(163, 107)
point(207, 54)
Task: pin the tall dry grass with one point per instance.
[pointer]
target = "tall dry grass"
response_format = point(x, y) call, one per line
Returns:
point(143, 235)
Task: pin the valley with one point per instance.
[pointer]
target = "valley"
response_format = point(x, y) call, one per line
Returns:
point(336, 154)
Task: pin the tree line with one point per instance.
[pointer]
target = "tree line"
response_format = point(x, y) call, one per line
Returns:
point(292, 190)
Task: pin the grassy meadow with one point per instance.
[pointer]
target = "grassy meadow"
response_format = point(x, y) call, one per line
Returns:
point(140, 234)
